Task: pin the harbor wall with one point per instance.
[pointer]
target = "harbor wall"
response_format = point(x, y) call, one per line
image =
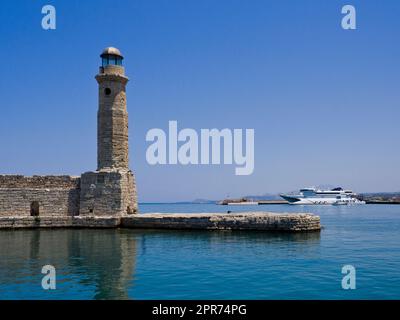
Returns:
point(105, 193)
point(92, 194)
point(251, 221)
point(58, 222)
point(262, 221)
point(39, 195)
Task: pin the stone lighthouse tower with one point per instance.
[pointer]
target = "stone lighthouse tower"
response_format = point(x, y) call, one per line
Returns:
point(110, 190)
point(112, 117)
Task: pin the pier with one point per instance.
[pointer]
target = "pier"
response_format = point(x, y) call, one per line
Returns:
point(262, 221)
point(251, 221)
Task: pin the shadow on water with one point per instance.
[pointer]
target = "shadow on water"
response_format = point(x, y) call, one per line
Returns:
point(103, 262)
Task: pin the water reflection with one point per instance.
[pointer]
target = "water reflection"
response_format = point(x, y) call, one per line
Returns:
point(101, 264)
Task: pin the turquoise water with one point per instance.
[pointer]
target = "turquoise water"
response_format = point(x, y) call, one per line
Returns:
point(121, 263)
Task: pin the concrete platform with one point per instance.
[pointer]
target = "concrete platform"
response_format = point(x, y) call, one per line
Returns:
point(257, 221)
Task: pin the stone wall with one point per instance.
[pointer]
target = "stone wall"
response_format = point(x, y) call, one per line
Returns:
point(250, 221)
point(94, 194)
point(129, 195)
point(58, 222)
point(53, 195)
point(20, 181)
point(262, 221)
point(108, 193)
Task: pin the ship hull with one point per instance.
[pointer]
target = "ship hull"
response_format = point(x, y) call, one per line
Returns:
point(301, 200)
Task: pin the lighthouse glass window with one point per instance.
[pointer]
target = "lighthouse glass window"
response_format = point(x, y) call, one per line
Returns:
point(118, 61)
point(114, 60)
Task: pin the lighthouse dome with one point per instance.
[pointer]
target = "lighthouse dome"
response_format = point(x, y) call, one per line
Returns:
point(111, 56)
point(111, 51)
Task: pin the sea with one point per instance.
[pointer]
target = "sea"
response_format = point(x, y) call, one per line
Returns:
point(170, 264)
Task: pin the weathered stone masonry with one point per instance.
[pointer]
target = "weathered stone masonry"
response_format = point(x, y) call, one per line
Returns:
point(105, 192)
point(56, 195)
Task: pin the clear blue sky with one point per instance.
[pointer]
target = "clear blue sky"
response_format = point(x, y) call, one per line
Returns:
point(324, 102)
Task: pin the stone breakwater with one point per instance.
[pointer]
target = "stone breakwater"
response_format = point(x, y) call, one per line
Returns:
point(18, 222)
point(256, 221)
point(263, 221)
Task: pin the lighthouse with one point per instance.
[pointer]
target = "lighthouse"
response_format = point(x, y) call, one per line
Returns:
point(111, 189)
point(112, 116)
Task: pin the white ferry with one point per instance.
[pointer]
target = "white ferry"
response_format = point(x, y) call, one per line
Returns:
point(336, 196)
